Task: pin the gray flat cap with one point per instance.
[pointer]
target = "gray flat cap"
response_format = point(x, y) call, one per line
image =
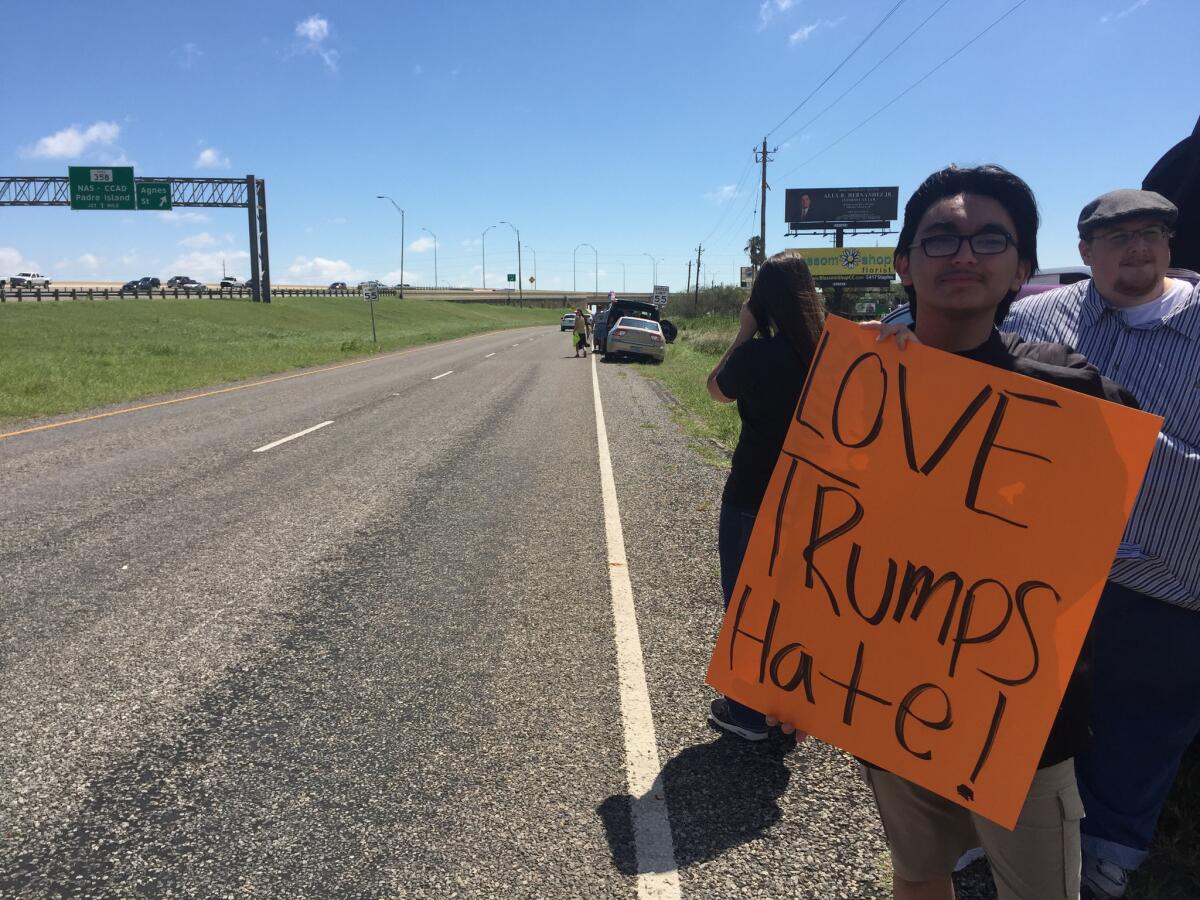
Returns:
point(1126, 204)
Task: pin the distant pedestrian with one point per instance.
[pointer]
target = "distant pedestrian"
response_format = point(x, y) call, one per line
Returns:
point(763, 370)
point(581, 333)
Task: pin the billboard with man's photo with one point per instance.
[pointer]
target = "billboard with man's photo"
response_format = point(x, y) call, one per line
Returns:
point(817, 208)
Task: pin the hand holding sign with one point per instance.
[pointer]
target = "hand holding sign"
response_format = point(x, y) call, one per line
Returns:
point(927, 560)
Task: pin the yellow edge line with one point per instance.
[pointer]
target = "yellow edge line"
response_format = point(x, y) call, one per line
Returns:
point(237, 387)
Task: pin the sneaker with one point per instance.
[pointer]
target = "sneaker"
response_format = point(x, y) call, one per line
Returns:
point(1103, 880)
point(720, 715)
point(969, 857)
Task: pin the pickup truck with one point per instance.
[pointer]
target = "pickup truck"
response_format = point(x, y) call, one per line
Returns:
point(182, 281)
point(29, 280)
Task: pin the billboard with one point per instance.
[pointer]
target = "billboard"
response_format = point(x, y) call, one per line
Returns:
point(746, 276)
point(818, 208)
point(850, 266)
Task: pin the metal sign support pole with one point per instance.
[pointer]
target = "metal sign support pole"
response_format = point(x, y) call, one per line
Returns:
point(252, 220)
point(263, 250)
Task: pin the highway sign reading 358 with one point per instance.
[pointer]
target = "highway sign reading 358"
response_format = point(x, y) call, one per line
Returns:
point(101, 188)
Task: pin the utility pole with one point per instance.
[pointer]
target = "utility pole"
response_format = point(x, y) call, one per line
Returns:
point(688, 290)
point(765, 157)
point(696, 296)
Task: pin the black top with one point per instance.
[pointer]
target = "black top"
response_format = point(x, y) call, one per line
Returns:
point(765, 377)
point(1058, 364)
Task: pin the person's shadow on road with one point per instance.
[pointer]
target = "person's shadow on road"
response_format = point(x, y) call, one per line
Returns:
point(719, 795)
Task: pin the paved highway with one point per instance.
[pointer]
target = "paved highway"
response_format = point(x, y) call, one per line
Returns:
point(381, 630)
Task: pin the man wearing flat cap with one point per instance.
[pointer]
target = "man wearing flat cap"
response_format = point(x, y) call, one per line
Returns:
point(1140, 327)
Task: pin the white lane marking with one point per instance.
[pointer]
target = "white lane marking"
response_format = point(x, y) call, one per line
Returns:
point(290, 437)
point(658, 877)
point(516, 345)
point(489, 355)
point(443, 375)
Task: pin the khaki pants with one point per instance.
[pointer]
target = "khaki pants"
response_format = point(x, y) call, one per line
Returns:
point(1037, 860)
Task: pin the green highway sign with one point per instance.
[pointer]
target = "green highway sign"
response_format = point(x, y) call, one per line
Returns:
point(512, 277)
point(109, 187)
point(154, 195)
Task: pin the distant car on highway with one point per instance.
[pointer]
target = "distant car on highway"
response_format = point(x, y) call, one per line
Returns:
point(619, 308)
point(183, 281)
point(233, 283)
point(567, 322)
point(338, 286)
point(29, 280)
point(635, 336)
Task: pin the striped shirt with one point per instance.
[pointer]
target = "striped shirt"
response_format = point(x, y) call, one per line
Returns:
point(1159, 553)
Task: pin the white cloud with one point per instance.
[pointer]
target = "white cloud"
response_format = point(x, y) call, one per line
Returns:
point(802, 34)
point(313, 32)
point(211, 158)
point(317, 269)
point(421, 244)
point(393, 277)
point(768, 10)
point(1110, 17)
point(199, 241)
point(89, 261)
point(207, 266)
point(178, 217)
point(723, 194)
point(418, 69)
point(11, 262)
point(188, 55)
point(73, 142)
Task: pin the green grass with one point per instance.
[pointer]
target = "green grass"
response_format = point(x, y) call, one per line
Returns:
point(62, 357)
point(1172, 871)
point(689, 360)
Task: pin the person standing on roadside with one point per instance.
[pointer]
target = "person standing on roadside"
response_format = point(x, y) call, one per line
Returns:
point(968, 243)
point(763, 370)
point(581, 333)
point(1139, 325)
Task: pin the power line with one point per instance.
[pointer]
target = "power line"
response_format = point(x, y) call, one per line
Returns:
point(916, 83)
point(725, 211)
point(838, 67)
point(867, 74)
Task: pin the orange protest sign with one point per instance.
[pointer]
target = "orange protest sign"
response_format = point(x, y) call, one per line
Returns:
point(926, 562)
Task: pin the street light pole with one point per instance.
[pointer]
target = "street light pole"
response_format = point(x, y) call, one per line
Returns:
point(654, 275)
point(434, 236)
point(484, 251)
point(520, 287)
point(399, 210)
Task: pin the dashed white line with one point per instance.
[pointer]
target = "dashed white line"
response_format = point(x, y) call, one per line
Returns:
point(443, 375)
point(291, 437)
point(658, 877)
point(489, 355)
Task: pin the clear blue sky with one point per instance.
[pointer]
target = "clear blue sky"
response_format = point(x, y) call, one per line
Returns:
point(626, 125)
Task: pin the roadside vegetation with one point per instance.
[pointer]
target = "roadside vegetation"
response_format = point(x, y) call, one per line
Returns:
point(62, 357)
point(1173, 870)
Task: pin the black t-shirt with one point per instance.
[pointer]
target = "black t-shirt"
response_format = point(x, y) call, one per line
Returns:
point(1058, 364)
point(764, 376)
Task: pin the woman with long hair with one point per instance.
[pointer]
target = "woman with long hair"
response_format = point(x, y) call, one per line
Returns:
point(763, 371)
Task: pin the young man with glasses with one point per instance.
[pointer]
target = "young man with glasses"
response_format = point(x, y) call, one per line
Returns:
point(1141, 326)
point(968, 243)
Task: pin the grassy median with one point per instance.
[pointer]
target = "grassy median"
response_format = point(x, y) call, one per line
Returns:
point(62, 357)
point(1173, 870)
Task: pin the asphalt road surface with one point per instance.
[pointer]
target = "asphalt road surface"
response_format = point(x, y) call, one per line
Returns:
point(385, 658)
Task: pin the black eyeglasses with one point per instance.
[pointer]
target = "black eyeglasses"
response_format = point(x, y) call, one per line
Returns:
point(986, 243)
